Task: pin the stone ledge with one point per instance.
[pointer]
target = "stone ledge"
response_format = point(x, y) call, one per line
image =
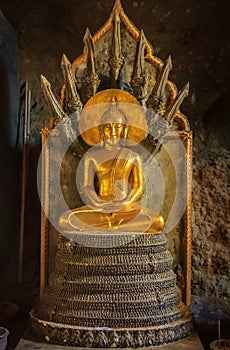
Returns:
point(190, 343)
point(104, 337)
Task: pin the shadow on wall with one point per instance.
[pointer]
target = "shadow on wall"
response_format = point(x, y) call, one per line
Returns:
point(217, 122)
point(10, 158)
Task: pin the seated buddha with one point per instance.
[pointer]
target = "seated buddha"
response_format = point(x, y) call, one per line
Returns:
point(118, 172)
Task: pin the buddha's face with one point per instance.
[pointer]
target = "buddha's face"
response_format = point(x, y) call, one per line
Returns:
point(113, 130)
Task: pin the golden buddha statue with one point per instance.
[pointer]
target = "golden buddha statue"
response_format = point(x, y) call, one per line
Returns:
point(117, 168)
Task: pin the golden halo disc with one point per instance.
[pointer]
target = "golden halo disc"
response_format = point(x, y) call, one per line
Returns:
point(97, 105)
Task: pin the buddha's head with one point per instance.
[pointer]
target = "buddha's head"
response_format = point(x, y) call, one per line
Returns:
point(110, 116)
point(113, 124)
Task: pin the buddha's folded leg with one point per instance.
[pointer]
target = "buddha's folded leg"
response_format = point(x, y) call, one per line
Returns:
point(135, 220)
point(85, 218)
point(142, 223)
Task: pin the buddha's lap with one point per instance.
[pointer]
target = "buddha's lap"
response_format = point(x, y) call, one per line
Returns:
point(135, 219)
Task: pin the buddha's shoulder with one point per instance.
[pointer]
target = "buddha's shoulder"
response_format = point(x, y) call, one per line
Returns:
point(129, 153)
point(92, 153)
point(99, 153)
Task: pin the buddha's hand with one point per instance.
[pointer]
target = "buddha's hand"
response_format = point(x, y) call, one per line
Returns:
point(98, 205)
point(115, 205)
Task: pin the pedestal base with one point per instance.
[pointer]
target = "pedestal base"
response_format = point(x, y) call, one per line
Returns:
point(114, 296)
point(99, 337)
point(190, 343)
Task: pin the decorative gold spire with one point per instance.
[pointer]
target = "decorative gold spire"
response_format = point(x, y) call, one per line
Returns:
point(173, 108)
point(156, 99)
point(72, 100)
point(139, 68)
point(117, 5)
point(138, 78)
point(116, 60)
point(89, 51)
point(57, 111)
point(158, 96)
point(92, 80)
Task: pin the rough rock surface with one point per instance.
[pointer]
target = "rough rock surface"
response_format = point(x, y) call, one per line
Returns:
point(211, 226)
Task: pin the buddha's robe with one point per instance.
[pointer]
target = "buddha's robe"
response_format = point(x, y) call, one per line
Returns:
point(116, 178)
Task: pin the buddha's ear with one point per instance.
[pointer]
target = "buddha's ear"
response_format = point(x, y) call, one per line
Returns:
point(125, 131)
point(102, 136)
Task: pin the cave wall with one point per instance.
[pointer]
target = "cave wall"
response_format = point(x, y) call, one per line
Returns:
point(10, 157)
point(196, 34)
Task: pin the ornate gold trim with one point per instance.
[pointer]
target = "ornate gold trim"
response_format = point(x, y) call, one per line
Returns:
point(187, 223)
point(186, 138)
point(44, 254)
